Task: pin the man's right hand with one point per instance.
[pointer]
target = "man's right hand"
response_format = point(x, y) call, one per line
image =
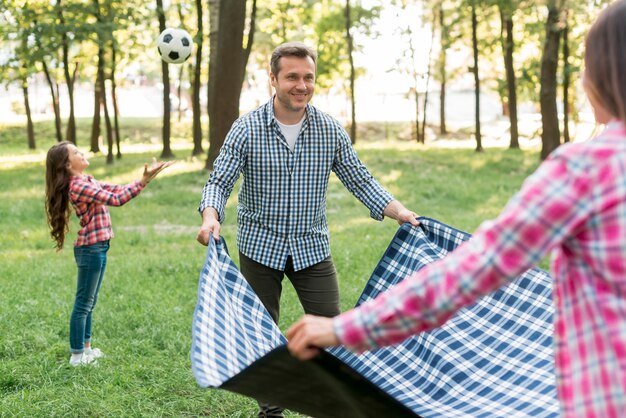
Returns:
point(210, 225)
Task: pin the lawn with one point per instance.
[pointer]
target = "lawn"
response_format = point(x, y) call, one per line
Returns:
point(143, 318)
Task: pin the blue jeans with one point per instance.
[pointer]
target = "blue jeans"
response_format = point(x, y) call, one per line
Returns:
point(91, 261)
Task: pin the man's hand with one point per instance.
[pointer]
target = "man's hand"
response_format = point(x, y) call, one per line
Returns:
point(309, 334)
point(397, 211)
point(210, 225)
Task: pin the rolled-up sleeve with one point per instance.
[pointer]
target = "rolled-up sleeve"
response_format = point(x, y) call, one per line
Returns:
point(358, 180)
point(227, 168)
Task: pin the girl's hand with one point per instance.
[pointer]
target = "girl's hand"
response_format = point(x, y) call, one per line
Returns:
point(154, 170)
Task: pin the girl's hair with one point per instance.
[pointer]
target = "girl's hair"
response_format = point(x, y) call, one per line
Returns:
point(605, 59)
point(58, 192)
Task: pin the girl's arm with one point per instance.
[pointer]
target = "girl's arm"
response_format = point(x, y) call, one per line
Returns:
point(113, 188)
point(90, 190)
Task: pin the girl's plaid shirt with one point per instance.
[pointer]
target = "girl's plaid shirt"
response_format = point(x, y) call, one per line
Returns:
point(90, 199)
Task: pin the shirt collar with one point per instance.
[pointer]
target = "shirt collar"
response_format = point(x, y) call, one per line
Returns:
point(615, 125)
point(270, 118)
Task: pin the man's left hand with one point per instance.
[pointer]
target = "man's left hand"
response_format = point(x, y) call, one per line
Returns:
point(397, 211)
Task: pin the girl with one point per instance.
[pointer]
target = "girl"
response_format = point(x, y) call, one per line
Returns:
point(573, 205)
point(66, 182)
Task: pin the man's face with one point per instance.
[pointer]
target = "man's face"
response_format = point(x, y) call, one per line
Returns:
point(294, 83)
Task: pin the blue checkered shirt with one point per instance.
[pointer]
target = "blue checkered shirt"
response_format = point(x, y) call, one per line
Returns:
point(281, 210)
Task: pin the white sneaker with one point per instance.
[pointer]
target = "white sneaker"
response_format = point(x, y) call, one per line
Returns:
point(96, 353)
point(84, 359)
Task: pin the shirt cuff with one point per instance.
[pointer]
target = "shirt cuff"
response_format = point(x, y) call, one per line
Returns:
point(213, 199)
point(137, 187)
point(378, 211)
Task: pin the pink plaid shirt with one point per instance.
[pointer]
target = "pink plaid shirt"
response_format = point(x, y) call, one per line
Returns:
point(573, 205)
point(90, 199)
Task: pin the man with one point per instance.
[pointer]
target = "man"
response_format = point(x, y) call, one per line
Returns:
point(286, 150)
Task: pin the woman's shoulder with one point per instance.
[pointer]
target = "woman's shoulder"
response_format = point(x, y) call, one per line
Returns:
point(604, 153)
point(608, 143)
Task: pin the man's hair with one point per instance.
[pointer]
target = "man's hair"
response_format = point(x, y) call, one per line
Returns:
point(605, 59)
point(290, 49)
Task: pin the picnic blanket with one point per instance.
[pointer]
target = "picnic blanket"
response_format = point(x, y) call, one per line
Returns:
point(492, 359)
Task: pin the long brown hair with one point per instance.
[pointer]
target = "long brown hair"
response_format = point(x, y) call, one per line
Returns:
point(605, 59)
point(57, 192)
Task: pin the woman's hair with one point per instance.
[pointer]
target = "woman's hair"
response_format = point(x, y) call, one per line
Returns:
point(58, 192)
point(605, 59)
point(290, 49)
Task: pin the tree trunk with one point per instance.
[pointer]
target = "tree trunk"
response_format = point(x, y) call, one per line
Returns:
point(53, 93)
point(442, 72)
point(99, 86)
point(107, 123)
point(352, 74)
point(71, 123)
point(214, 25)
point(114, 99)
point(103, 98)
point(179, 91)
point(167, 151)
point(181, 71)
point(415, 77)
point(508, 47)
point(479, 145)
point(197, 84)
point(550, 135)
point(422, 135)
point(251, 32)
point(29, 117)
point(417, 115)
point(97, 103)
point(566, 81)
point(101, 82)
point(69, 80)
point(227, 82)
point(55, 100)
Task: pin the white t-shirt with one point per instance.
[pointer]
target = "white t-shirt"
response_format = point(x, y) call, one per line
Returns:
point(291, 132)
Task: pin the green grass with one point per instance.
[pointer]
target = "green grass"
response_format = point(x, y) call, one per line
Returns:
point(143, 318)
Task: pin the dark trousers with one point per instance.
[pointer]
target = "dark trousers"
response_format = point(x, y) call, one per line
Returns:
point(316, 285)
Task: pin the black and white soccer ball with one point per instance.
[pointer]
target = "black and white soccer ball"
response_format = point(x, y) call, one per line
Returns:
point(174, 45)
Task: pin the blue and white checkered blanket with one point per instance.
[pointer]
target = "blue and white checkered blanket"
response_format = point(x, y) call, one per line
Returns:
point(492, 359)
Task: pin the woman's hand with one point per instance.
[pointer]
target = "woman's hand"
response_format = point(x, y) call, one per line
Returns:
point(155, 169)
point(310, 334)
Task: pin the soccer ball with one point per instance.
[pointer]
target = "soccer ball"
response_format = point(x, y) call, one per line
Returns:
point(174, 45)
